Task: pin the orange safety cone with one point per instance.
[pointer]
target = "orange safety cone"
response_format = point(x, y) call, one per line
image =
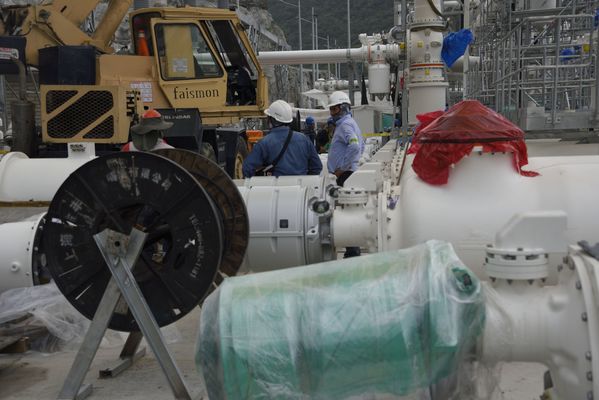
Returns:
point(142, 44)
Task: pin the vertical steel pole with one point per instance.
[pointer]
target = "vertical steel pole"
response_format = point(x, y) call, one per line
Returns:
point(467, 52)
point(4, 104)
point(316, 43)
point(556, 72)
point(596, 49)
point(301, 68)
point(404, 90)
point(348, 27)
point(329, 64)
point(313, 45)
point(350, 65)
point(337, 69)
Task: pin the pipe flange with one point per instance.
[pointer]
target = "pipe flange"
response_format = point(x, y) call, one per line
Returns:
point(516, 264)
point(352, 196)
point(431, 23)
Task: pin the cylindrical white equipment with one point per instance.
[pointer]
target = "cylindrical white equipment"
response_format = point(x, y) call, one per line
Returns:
point(289, 225)
point(484, 192)
point(427, 83)
point(426, 97)
point(379, 78)
point(19, 249)
point(24, 179)
point(355, 221)
point(425, 15)
point(276, 225)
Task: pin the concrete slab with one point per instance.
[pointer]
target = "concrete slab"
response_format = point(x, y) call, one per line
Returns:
point(36, 376)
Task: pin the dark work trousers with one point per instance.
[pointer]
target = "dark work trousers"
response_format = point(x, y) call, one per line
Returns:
point(349, 251)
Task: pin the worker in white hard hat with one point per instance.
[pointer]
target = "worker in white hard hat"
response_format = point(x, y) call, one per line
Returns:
point(282, 151)
point(347, 145)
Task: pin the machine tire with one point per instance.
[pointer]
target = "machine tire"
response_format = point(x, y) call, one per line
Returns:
point(240, 155)
point(207, 151)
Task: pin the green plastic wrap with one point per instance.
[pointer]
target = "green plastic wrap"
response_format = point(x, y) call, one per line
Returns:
point(388, 323)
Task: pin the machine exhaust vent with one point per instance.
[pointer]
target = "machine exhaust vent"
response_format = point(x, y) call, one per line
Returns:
point(80, 114)
point(104, 130)
point(56, 98)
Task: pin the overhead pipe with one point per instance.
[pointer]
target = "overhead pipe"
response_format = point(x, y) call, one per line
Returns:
point(365, 54)
point(458, 65)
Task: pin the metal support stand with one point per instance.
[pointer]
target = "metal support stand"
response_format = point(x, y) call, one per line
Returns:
point(120, 253)
point(129, 355)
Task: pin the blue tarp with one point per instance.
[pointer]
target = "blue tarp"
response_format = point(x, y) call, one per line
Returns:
point(567, 54)
point(455, 44)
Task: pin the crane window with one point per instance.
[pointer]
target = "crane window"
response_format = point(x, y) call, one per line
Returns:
point(183, 53)
point(230, 46)
point(242, 73)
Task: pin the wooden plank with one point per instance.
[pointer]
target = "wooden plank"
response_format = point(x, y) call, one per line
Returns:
point(21, 345)
point(6, 341)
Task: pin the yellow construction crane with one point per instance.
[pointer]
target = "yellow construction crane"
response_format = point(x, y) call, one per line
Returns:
point(195, 65)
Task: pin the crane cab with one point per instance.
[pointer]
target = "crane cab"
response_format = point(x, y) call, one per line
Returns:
point(202, 60)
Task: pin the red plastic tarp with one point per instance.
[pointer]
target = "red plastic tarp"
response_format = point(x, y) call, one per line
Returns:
point(445, 140)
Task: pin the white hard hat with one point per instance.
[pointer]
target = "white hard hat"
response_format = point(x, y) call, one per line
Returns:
point(338, 98)
point(281, 111)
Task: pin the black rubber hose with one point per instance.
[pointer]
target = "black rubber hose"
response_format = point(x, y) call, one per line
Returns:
point(435, 9)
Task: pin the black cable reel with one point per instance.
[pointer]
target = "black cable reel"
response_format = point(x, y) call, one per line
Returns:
point(195, 220)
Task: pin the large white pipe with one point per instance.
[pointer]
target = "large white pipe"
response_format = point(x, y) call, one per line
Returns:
point(19, 248)
point(484, 192)
point(24, 179)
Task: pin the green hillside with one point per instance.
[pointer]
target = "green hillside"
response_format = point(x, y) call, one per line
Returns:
point(367, 16)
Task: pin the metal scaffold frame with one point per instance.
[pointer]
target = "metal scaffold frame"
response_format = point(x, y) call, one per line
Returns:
point(538, 66)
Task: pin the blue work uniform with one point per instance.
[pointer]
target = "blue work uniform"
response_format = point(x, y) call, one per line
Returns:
point(347, 145)
point(300, 158)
